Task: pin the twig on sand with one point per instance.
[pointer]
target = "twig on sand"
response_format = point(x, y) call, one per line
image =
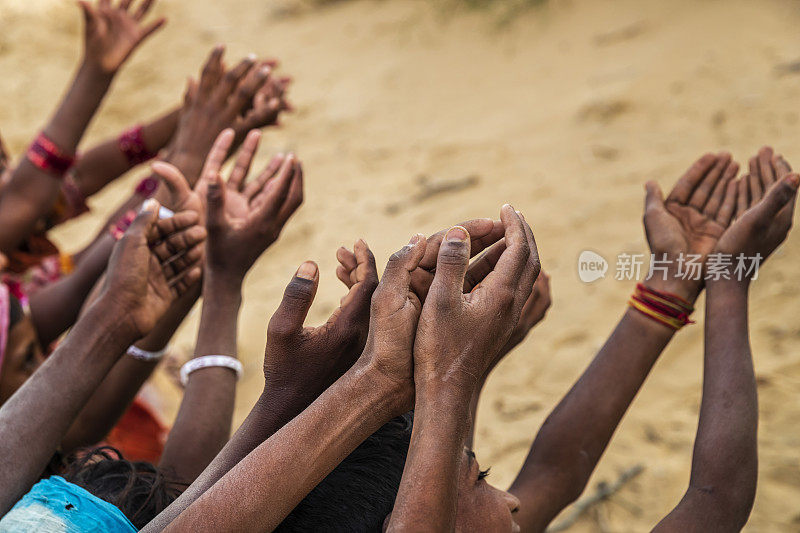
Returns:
point(603, 492)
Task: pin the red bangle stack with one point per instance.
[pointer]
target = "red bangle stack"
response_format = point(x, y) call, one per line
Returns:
point(668, 309)
point(118, 230)
point(46, 156)
point(131, 144)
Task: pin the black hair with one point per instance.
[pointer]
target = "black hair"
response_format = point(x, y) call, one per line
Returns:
point(137, 488)
point(360, 492)
point(15, 312)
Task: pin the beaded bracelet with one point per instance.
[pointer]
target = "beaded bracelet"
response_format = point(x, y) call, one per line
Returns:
point(668, 309)
point(119, 228)
point(147, 187)
point(47, 156)
point(207, 361)
point(131, 144)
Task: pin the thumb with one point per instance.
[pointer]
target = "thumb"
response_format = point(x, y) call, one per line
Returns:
point(452, 263)
point(297, 300)
point(654, 197)
point(146, 218)
point(778, 197)
point(173, 179)
point(215, 202)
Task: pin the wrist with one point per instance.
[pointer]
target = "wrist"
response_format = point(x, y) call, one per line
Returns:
point(733, 285)
point(689, 290)
point(395, 395)
point(221, 282)
point(95, 72)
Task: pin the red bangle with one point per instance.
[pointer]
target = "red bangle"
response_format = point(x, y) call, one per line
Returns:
point(131, 144)
point(118, 230)
point(46, 156)
point(665, 308)
point(147, 187)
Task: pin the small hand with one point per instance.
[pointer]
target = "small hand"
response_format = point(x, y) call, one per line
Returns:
point(268, 103)
point(155, 262)
point(113, 32)
point(764, 225)
point(460, 334)
point(306, 361)
point(692, 219)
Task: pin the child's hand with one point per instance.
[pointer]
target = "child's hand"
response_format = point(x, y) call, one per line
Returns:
point(217, 102)
point(243, 222)
point(762, 227)
point(460, 335)
point(155, 262)
point(692, 219)
point(268, 103)
point(306, 361)
point(112, 32)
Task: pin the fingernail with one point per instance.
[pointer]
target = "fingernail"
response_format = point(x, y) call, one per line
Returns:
point(264, 71)
point(149, 205)
point(307, 270)
point(415, 239)
point(794, 180)
point(251, 57)
point(456, 233)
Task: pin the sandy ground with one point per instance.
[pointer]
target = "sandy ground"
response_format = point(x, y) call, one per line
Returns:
point(565, 112)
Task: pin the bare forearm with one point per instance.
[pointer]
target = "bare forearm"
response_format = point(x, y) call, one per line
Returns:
point(722, 486)
point(36, 418)
point(204, 420)
point(575, 435)
point(105, 162)
point(426, 500)
point(258, 493)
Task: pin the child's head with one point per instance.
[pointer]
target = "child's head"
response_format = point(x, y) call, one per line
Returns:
point(20, 353)
point(136, 488)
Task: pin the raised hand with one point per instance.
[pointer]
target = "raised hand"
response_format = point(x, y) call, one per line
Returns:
point(155, 262)
point(764, 225)
point(114, 30)
point(217, 102)
point(268, 103)
point(692, 219)
point(460, 334)
point(306, 361)
point(532, 313)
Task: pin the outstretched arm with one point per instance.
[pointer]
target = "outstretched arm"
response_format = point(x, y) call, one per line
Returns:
point(574, 436)
point(111, 35)
point(140, 286)
point(722, 486)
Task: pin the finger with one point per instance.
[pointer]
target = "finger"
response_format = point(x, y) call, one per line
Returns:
point(212, 70)
point(344, 276)
point(244, 160)
point(125, 4)
point(720, 190)
point(778, 197)
point(533, 267)
point(150, 29)
point(347, 266)
point(88, 14)
point(231, 78)
point(483, 265)
point(703, 190)
point(396, 278)
point(742, 195)
point(294, 199)
point(357, 300)
point(144, 7)
point(217, 155)
point(274, 193)
point(756, 192)
point(145, 219)
point(167, 226)
point(654, 197)
point(243, 97)
point(729, 204)
point(185, 280)
point(178, 243)
point(297, 300)
point(767, 173)
point(183, 259)
point(513, 263)
point(172, 178)
point(269, 172)
point(105, 3)
point(781, 167)
point(688, 182)
point(483, 232)
point(215, 203)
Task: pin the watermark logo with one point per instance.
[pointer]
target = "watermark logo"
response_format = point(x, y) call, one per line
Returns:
point(591, 266)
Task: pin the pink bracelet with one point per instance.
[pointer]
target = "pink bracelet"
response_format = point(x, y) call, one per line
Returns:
point(131, 144)
point(118, 230)
point(147, 187)
point(46, 156)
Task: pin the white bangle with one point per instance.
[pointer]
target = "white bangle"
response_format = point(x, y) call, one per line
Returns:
point(144, 355)
point(163, 212)
point(210, 360)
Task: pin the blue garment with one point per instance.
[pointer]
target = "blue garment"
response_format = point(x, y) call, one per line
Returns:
point(55, 505)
